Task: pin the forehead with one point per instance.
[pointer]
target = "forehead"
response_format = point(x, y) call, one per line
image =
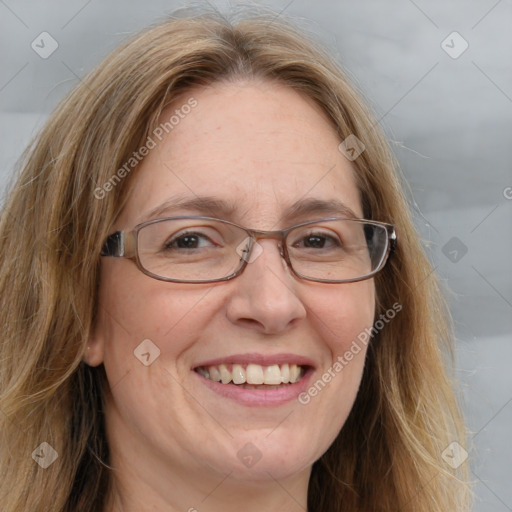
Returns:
point(260, 147)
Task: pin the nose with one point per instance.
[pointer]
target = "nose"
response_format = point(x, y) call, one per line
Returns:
point(264, 296)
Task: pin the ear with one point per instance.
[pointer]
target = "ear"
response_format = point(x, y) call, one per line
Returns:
point(94, 351)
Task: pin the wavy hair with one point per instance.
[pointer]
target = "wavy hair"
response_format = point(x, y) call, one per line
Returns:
point(386, 458)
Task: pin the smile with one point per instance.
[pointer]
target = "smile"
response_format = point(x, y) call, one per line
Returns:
point(253, 379)
point(253, 376)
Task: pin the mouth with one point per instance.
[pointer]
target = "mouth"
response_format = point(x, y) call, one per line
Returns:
point(253, 376)
point(257, 380)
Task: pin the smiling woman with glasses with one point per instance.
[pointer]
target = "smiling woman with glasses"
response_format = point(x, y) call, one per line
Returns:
point(212, 295)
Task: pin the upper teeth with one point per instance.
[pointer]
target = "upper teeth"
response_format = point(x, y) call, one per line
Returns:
point(253, 373)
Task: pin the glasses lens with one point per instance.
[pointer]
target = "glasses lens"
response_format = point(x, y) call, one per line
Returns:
point(191, 249)
point(337, 250)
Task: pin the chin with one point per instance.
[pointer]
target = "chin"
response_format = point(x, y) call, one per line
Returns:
point(275, 455)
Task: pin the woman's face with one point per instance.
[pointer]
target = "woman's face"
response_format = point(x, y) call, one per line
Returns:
point(261, 148)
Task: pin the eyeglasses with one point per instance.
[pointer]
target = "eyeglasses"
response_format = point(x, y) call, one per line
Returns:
point(195, 249)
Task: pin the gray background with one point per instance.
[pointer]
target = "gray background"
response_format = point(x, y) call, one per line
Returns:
point(450, 122)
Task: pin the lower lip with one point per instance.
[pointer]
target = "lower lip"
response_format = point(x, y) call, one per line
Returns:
point(259, 397)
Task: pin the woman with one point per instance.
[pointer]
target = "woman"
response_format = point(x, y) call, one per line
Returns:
point(213, 295)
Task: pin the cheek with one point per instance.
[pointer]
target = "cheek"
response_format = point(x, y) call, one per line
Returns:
point(339, 315)
point(342, 312)
point(135, 308)
point(342, 317)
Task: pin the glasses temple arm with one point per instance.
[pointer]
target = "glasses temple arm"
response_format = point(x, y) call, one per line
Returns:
point(392, 239)
point(114, 245)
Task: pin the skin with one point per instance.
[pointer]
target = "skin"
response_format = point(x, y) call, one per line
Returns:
point(173, 441)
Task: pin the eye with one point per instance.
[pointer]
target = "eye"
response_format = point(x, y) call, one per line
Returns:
point(189, 240)
point(318, 240)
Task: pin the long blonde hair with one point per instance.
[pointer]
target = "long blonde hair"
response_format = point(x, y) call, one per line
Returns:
point(387, 457)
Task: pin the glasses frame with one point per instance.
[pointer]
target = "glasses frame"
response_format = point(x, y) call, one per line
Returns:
point(124, 244)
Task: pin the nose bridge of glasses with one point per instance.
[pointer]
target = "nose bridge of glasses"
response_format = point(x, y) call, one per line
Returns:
point(258, 234)
point(279, 235)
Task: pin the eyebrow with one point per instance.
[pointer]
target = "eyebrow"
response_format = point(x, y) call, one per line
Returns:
point(219, 208)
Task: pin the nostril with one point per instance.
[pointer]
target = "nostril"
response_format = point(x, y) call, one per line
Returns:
point(251, 323)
